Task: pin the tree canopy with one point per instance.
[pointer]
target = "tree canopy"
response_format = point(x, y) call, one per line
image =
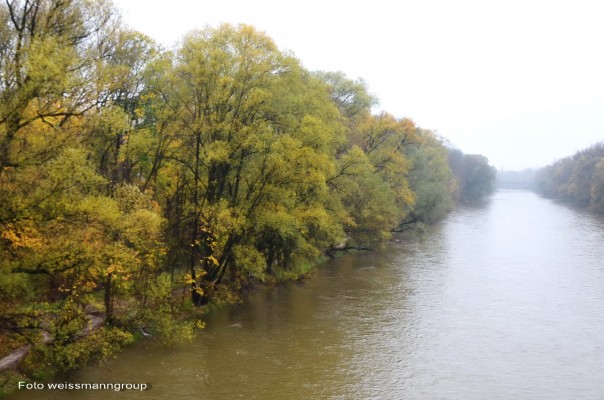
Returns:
point(137, 182)
point(576, 179)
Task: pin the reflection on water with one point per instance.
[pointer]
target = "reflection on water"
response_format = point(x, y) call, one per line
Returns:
point(500, 301)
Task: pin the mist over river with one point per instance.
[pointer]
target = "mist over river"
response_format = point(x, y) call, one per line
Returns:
point(499, 301)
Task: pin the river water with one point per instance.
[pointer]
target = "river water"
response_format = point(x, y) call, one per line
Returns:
point(499, 301)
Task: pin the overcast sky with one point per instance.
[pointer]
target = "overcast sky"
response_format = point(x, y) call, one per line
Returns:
point(519, 81)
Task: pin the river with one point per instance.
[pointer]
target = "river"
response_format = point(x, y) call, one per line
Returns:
point(499, 301)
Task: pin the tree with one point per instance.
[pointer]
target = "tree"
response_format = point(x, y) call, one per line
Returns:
point(48, 55)
point(597, 188)
point(253, 139)
point(576, 179)
point(65, 233)
point(351, 97)
point(430, 178)
point(476, 178)
point(120, 125)
point(371, 179)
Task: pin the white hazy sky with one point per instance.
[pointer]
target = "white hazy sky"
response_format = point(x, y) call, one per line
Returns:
point(519, 81)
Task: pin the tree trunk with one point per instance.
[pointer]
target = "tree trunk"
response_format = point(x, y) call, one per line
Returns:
point(196, 298)
point(108, 299)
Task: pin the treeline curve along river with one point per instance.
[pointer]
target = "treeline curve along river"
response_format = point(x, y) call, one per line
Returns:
point(504, 300)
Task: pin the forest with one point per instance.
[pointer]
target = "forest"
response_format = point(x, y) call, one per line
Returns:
point(138, 183)
point(576, 179)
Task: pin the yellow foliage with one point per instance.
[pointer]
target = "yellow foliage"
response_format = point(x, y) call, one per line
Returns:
point(24, 237)
point(188, 279)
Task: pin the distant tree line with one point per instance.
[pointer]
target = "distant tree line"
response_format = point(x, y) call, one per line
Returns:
point(577, 179)
point(138, 183)
point(524, 179)
point(475, 177)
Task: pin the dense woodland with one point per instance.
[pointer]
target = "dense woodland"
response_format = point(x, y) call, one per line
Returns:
point(137, 183)
point(577, 179)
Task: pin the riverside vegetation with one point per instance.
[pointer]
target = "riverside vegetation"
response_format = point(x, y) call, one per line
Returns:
point(576, 179)
point(137, 183)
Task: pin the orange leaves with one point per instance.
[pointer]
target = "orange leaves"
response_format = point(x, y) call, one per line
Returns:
point(22, 237)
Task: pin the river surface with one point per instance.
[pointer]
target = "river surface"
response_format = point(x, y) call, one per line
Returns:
point(499, 301)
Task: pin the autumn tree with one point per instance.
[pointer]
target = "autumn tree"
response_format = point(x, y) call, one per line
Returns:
point(67, 76)
point(576, 179)
point(128, 173)
point(253, 135)
point(430, 178)
point(350, 96)
point(49, 51)
point(475, 177)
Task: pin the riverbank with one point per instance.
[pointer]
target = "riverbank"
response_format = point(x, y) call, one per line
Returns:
point(12, 371)
point(19, 365)
point(477, 309)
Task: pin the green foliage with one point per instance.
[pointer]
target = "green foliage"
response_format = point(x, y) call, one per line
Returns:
point(475, 177)
point(44, 361)
point(430, 178)
point(158, 312)
point(371, 179)
point(9, 380)
point(597, 188)
point(577, 179)
point(131, 176)
point(351, 97)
